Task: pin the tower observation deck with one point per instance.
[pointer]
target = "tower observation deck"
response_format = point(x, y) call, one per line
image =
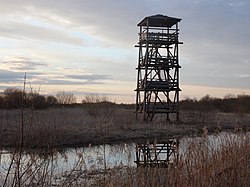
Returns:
point(158, 67)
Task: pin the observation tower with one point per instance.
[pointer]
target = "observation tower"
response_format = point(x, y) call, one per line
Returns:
point(157, 89)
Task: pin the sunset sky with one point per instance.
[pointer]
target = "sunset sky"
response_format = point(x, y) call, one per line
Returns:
point(87, 46)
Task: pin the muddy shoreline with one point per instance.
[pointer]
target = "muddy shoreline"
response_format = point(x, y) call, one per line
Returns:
point(141, 137)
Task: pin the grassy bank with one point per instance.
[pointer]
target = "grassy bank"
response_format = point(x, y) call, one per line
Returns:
point(95, 124)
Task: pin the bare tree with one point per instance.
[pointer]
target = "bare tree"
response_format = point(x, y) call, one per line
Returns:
point(95, 98)
point(15, 98)
point(51, 100)
point(65, 97)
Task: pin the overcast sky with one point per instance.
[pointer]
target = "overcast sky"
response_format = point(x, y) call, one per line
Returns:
point(87, 46)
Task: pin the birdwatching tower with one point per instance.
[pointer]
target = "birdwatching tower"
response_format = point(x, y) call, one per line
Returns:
point(158, 67)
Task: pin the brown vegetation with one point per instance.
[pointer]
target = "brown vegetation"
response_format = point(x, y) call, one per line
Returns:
point(202, 164)
point(99, 121)
point(106, 123)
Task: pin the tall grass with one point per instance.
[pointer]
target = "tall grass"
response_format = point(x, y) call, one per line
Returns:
point(202, 164)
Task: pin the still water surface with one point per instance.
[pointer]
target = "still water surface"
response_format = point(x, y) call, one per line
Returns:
point(98, 157)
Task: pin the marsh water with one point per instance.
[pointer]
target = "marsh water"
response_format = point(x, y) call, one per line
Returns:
point(94, 158)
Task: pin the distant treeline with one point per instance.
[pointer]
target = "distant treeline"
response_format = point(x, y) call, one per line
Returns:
point(230, 103)
point(13, 98)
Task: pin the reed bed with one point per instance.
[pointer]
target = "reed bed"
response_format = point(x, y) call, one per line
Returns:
point(225, 162)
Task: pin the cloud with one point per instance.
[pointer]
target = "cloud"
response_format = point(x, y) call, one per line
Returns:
point(83, 93)
point(8, 75)
point(21, 31)
point(65, 82)
point(244, 75)
point(22, 64)
point(15, 68)
point(57, 78)
point(89, 77)
point(112, 27)
point(13, 77)
point(216, 43)
point(236, 4)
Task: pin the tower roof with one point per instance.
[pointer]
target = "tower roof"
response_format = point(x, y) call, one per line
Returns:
point(159, 21)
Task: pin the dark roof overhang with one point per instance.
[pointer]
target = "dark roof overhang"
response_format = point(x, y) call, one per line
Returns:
point(159, 21)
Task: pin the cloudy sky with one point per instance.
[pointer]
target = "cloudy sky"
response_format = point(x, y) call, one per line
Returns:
point(87, 46)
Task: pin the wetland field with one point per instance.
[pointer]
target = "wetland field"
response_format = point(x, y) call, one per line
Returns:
point(95, 146)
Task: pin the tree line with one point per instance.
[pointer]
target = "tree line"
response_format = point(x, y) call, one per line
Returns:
point(230, 103)
point(13, 98)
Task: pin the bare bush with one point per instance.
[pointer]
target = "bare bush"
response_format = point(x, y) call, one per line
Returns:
point(65, 97)
point(95, 98)
point(51, 100)
point(100, 108)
